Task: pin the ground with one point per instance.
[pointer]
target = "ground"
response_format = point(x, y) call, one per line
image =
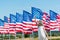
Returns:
point(53, 38)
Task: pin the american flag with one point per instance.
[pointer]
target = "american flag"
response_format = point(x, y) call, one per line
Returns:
point(58, 21)
point(1, 26)
point(12, 24)
point(19, 27)
point(1, 23)
point(53, 23)
point(36, 16)
point(2, 29)
point(27, 20)
point(46, 20)
point(6, 22)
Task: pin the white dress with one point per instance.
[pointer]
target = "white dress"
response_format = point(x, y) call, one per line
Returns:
point(41, 33)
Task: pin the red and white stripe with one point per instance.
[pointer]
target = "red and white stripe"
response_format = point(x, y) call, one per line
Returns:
point(12, 31)
point(58, 21)
point(34, 25)
point(27, 27)
point(3, 31)
point(46, 23)
point(12, 25)
point(49, 25)
point(6, 25)
point(19, 27)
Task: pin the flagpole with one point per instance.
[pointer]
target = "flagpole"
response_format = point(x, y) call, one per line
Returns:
point(32, 35)
point(15, 34)
point(32, 30)
point(50, 34)
point(8, 33)
point(9, 36)
point(22, 35)
point(38, 33)
point(3, 36)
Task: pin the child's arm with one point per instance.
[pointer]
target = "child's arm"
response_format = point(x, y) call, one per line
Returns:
point(46, 33)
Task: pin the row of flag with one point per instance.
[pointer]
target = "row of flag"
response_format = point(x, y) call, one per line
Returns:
point(26, 22)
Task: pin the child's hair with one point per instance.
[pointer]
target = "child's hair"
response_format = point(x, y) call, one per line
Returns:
point(39, 23)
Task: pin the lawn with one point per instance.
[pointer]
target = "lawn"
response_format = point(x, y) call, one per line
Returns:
point(55, 36)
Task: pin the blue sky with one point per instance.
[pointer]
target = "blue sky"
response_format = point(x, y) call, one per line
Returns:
point(13, 6)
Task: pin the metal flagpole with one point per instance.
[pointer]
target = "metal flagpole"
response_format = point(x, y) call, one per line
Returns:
point(3, 36)
point(32, 35)
point(15, 34)
point(32, 30)
point(22, 35)
point(38, 33)
point(9, 36)
point(50, 34)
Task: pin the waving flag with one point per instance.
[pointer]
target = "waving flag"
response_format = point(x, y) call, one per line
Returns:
point(46, 20)
point(6, 22)
point(27, 20)
point(1, 26)
point(5, 19)
point(12, 20)
point(58, 21)
point(1, 23)
point(27, 16)
point(37, 13)
point(19, 23)
point(19, 17)
point(12, 24)
point(36, 16)
point(53, 15)
point(53, 22)
point(58, 18)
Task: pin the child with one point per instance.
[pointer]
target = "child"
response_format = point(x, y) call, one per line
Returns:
point(41, 31)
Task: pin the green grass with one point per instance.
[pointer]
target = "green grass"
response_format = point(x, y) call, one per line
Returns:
point(49, 39)
point(55, 39)
point(19, 35)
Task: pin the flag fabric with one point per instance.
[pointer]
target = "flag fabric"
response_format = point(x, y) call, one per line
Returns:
point(58, 21)
point(27, 20)
point(12, 24)
point(53, 17)
point(19, 27)
point(5, 19)
point(36, 13)
point(6, 22)
point(2, 29)
point(12, 31)
point(36, 16)
point(5, 31)
point(58, 18)
point(19, 17)
point(12, 21)
point(46, 20)
point(1, 23)
point(12, 18)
